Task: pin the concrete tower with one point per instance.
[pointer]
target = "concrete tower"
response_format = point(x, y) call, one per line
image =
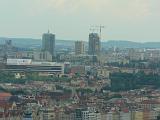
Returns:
point(79, 48)
point(94, 44)
point(48, 43)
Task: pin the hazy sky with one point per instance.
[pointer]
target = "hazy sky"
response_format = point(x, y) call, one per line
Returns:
point(134, 20)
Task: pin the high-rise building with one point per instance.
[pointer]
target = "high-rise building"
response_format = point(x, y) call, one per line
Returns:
point(79, 47)
point(48, 43)
point(94, 44)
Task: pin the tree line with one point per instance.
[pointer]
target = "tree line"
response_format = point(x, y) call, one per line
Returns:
point(129, 81)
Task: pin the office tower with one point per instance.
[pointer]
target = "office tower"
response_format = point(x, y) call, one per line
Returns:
point(48, 43)
point(79, 48)
point(94, 44)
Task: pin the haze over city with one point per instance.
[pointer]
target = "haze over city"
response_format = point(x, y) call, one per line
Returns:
point(133, 20)
point(79, 60)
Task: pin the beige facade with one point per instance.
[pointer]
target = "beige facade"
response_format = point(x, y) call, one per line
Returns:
point(79, 48)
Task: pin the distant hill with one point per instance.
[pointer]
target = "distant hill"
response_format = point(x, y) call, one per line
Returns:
point(130, 44)
point(22, 42)
point(36, 43)
point(33, 43)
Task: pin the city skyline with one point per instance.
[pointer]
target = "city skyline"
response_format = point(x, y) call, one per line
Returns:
point(124, 20)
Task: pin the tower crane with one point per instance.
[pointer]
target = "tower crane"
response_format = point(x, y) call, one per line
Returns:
point(98, 29)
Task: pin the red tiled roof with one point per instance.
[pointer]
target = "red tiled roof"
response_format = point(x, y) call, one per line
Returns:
point(150, 102)
point(4, 96)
